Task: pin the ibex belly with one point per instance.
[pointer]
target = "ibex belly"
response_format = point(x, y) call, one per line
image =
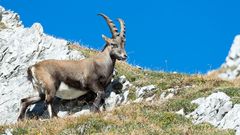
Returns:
point(66, 92)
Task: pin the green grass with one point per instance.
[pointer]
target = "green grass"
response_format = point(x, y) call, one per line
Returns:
point(176, 104)
point(234, 93)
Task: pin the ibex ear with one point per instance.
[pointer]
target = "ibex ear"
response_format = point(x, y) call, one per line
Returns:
point(108, 40)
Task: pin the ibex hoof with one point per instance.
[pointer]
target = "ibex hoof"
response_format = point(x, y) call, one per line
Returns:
point(20, 118)
point(94, 109)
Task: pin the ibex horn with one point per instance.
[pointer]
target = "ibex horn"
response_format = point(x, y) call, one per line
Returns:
point(111, 25)
point(123, 28)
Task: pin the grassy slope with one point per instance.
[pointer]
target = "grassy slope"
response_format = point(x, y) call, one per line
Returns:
point(141, 118)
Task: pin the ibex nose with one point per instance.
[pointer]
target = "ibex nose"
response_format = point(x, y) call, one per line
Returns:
point(125, 55)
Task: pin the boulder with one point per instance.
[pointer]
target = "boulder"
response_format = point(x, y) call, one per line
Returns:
point(232, 119)
point(211, 109)
point(140, 92)
point(117, 93)
point(218, 110)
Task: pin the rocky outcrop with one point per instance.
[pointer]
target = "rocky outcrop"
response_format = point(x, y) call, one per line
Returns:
point(117, 93)
point(144, 90)
point(19, 48)
point(218, 110)
point(231, 68)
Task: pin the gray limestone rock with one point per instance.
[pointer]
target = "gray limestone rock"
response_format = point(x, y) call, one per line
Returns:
point(19, 48)
point(140, 92)
point(231, 66)
point(118, 92)
point(218, 110)
point(211, 109)
point(232, 119)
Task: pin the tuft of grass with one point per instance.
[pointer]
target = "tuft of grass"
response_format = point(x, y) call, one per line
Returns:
point(85, 51)
point(132, 94)
point(21, 131)
point(234, 93)
point(92, 125)
point(176, 104)
point(2, 128)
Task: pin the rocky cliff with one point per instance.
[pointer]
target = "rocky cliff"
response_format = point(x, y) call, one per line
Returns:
point(230, 69)
point(21, 47)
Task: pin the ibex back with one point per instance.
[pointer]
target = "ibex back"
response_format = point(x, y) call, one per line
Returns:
point(69, 79)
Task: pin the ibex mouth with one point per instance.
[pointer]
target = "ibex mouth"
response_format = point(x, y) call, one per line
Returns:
point(123, 59)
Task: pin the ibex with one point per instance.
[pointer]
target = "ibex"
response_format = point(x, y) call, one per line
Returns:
point(70, 79)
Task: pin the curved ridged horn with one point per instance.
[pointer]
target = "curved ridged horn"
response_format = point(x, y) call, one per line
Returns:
point(123, 28)
point(111, 25)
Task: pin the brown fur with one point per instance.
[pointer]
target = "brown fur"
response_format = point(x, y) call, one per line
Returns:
point(90, 74)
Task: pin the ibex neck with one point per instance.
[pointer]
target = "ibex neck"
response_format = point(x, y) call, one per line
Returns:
point(106, 49)
point(107, 52)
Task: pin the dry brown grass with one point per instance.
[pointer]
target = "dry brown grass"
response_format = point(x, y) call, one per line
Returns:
point(236, 82)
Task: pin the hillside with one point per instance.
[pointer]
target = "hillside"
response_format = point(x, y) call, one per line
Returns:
point(155, 116)
point(139, 101)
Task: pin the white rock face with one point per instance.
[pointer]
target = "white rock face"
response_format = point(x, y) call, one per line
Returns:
point(232, 63)
point(231, 119)
point(117, 93)
point(211, 109)
point(143, 90)
point(10, 19)
point(19, 48)
point(218, 110)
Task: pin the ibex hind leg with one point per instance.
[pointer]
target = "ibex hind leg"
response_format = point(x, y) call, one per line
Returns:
point(25, 102)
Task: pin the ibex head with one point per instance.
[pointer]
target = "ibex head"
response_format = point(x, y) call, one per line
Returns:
point(117, 42)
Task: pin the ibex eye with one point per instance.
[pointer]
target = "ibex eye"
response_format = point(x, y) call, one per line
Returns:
point(114, 45)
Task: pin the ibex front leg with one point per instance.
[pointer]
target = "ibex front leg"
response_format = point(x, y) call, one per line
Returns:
point(50, 93)
point(100, 96)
